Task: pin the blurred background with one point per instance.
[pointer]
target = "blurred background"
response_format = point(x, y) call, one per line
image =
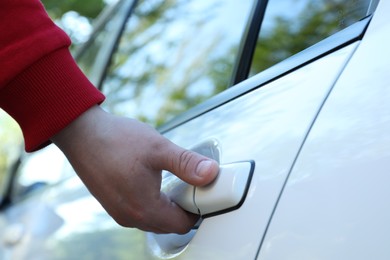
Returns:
point(76, 18)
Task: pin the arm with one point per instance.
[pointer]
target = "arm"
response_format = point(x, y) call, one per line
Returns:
point(41, 86)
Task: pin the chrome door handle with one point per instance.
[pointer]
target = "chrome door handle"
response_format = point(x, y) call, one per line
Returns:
point(226, 193)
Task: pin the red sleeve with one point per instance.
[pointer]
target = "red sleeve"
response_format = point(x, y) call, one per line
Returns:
point(41, 86)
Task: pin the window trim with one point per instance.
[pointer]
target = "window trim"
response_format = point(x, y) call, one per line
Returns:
point(248, 45)
point(334, 42)
point(101, 71)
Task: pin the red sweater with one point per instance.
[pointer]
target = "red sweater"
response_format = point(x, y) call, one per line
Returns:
point(41, 86)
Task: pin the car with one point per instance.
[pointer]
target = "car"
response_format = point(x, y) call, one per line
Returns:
point(290, 97)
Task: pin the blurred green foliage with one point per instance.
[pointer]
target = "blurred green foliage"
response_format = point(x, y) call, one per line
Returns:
point(86, 8)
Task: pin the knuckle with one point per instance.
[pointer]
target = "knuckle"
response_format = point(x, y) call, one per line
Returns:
point(130, 219)
point(185, 159)
point(183, 230)
point(123, 222)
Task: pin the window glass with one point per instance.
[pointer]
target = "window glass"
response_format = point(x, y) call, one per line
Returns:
point(97, 49)
point(173, 55)
point(290, 26)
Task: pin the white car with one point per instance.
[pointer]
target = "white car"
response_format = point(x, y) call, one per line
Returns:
point(291, 97)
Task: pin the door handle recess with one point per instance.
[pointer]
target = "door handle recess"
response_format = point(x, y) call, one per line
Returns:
point(226, 193)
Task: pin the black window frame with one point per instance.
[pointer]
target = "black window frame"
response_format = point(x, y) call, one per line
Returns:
point(248, 44)
point(128, 7)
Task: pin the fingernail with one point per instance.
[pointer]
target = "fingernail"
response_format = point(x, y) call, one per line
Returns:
point(203, 168)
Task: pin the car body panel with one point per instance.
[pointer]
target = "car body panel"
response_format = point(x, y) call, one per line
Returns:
point(66, 214)
point(334, 205)
point(290, 105)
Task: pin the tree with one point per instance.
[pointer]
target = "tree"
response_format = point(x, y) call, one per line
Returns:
point(87, 8)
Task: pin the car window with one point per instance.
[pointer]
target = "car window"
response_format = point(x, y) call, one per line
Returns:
point(290, 26)
point(174, 55)
point(92, 56)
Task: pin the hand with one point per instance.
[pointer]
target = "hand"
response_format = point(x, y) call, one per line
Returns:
point(120, 161)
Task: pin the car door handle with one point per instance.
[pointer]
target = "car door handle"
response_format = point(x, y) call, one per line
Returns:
point(226, 193)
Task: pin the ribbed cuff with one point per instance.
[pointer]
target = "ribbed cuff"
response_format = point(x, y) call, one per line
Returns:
point(48, 96)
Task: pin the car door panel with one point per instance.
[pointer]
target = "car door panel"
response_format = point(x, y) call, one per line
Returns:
point(335, 205)
point(267, 125)
point(289, 105)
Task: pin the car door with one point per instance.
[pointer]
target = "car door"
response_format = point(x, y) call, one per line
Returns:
point(334, 205)
point(267, 126)
point(171, 68)
point(263, 120)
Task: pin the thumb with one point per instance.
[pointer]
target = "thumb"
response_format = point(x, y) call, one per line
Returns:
point(189, 166)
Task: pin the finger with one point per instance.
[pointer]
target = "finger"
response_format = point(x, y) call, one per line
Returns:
point(157, 215)
point(171, 218)
point(189, 166)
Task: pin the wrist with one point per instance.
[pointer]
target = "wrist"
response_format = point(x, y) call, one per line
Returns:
point(84, 128)
point(53, 92)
